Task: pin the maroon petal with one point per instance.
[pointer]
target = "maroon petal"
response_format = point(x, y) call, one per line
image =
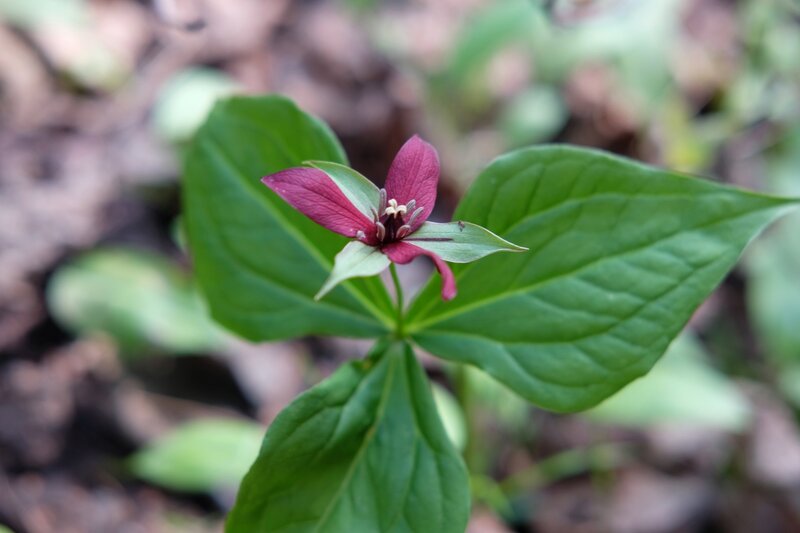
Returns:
point(401, 253)
point(414, 175)
point(314, 194)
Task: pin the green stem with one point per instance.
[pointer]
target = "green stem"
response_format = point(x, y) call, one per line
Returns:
point(597, 459)
point(464, 397)
point(398, 290)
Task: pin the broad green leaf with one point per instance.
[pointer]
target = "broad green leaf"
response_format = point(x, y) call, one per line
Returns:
point(355, 260)
point(358, 189)
point(362, 451)
point(460, 242)
point(5, 529)
point(200, 456)
point(142, 300)
point(258, 261)
point(681, 388)
point(620, 256)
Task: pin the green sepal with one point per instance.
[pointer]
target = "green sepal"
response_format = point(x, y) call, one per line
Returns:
point(355, 260)
point(359, 190)
point(460, 242)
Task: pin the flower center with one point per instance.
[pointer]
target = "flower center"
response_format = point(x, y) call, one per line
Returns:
point(394, 220)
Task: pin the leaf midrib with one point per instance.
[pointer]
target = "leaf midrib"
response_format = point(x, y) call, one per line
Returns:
point(370, 435)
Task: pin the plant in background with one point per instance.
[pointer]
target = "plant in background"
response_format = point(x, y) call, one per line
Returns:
point(619, 256)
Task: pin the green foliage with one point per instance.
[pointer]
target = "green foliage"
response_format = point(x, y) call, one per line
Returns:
point(773, 290)
point(200, 456)
point(620, 256)
point(362, 451)
point(186, 100)
point(259, 261)
point(681, 388)
point(452, 416)
point(503, 404)
point(31, 14)
point(143, 301)
point(487, 33)
point(534, 116)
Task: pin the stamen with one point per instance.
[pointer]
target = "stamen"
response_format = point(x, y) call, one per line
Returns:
point(382, 202)
point(411, 205)
point(375, 216)
point(395, 210)
point(415, 214)
point(380, 231)
point(404, 230)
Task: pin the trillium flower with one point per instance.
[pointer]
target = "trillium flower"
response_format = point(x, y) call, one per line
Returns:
point(389, 224)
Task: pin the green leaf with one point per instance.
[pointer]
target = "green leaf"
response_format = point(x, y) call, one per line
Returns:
point(355, 260)
point(200, 456)
point(258, 261)
point(789, 383)
point(460, 242)
point(620, 256)
point(487, 33)
point(186, 99)
point(140, 299)
point(362, 451)
point(451, 415)
point(358, 189)
point(504, 406)
point(534, 115)
point(773, 290)
point(681, 388)
point(71, 13)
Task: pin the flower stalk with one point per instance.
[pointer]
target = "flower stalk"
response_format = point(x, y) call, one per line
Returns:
point(398, 290)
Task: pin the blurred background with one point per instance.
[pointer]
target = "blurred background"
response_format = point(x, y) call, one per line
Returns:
point(124, 409)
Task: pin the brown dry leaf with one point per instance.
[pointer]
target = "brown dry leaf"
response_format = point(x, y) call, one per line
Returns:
point(38, 400)
point(773, 448)
point(645, 501)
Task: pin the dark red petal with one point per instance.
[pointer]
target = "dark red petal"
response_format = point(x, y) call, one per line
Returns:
point(402, 252)
point(314, 194)
point(414, 175)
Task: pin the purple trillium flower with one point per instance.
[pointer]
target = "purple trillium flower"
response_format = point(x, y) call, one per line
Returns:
point(388, 224)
